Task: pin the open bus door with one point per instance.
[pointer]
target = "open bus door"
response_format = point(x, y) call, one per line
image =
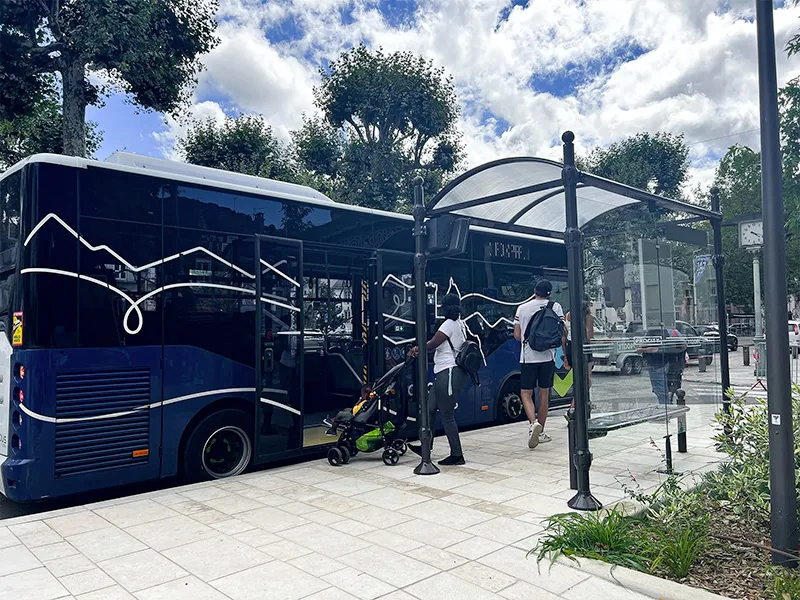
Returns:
point(279, 346)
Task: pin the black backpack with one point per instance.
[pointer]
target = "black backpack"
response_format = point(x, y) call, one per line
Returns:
point(468, 357)
point(545, 330)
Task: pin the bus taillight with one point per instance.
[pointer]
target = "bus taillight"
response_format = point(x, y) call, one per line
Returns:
point(20, 396)
point(21, 372)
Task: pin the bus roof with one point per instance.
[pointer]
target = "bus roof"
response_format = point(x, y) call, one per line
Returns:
point(228, 181)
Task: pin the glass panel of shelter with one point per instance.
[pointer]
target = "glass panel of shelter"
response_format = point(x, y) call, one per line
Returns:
point(651, 292)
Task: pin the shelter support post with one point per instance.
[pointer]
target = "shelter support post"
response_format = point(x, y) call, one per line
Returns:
point(722, 313)
point(582, 458)
point(425, 467)
point(783, 521)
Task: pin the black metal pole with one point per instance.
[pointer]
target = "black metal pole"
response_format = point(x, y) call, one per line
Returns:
point(425, 467)
point(722, 316)
point(582, 459)
point(783, 496)
point(573, 473)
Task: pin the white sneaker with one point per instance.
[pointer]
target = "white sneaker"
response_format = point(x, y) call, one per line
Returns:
point(534, 431)
point(544, 438)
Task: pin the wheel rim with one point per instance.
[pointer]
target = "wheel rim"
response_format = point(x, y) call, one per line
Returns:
point(226, 452)
point(512, 405)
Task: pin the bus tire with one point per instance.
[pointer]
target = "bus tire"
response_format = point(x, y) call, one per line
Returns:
point(509, 402)
point(219, 446)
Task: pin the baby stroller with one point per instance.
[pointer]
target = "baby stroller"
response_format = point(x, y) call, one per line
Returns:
point(378, 423)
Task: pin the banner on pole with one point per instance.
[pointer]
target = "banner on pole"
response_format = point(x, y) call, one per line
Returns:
point(701, 262)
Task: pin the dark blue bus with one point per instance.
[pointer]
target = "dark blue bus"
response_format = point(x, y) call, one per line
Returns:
point(161, 319)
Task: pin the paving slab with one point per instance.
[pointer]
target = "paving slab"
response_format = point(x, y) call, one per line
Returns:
point(309, 531)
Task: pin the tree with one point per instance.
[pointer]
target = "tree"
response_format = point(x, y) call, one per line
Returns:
point(658, 163)
point(738, 179)
point(386, 119)
point(39, 131)
point(244, 144)
point(147, 48)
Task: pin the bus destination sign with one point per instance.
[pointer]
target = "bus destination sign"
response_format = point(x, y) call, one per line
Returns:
point(509, 251)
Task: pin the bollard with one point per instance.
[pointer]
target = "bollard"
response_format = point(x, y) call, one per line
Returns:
point(681, 401)
point(701, 362)
point(746, 356)
point(794, 352)
point(573, 472)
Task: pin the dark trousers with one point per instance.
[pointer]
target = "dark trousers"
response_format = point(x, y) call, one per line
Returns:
point(440, 398)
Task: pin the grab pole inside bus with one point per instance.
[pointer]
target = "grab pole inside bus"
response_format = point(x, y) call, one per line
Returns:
point(425, 467)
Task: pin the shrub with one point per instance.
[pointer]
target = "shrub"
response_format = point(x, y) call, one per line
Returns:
point(741, 484)
point(611, 537)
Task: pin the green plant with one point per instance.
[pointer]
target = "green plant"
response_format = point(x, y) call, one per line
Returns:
point(611, 537)
point(741, 485)
point(783, 584)
point(677, 548)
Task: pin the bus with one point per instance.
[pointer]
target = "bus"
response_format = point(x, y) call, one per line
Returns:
point(163, 319)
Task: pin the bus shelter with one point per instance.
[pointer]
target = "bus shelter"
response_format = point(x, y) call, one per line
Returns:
point(644, 271)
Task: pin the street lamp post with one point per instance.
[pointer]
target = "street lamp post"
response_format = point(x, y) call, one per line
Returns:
point(783, 495)
point(425, 467)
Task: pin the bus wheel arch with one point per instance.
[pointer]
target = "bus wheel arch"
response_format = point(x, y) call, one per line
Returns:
point(218, 442)
point(509, 401)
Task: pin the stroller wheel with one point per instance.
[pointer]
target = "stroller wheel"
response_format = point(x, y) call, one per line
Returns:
point(335, 457)
point(391, 456)
point(400, 446)
point(345, 454)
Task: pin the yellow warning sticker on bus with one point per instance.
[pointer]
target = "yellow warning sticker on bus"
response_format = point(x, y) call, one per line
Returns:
point(16, 329)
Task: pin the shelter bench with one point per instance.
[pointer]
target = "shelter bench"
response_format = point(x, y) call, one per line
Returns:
point(600, 426)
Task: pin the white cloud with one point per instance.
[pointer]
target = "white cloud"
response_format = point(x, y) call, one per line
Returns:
point(174, 128)
point(695, 70)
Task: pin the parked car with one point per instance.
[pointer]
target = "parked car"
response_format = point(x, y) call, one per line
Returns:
point(699, 347)
point(712, 333)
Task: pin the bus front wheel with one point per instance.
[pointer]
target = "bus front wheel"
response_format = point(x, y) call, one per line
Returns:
point(218, 447)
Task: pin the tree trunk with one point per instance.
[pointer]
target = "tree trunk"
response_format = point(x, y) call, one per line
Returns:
point(74, 107)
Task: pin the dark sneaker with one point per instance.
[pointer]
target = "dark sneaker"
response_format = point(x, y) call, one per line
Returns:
point(452, 460)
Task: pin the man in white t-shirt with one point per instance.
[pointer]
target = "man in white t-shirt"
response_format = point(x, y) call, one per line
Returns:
point(537, 368)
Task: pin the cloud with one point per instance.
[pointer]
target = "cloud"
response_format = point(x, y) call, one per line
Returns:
point(175, 129)
point(605, 69)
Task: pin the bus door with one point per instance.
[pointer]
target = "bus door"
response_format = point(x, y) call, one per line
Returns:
point(279, 346)
point(336, 352)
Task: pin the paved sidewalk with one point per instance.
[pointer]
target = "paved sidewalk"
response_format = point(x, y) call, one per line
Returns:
point(365, 530)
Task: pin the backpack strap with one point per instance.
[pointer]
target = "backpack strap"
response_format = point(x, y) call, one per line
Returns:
point(550, 304)
point(528, 329)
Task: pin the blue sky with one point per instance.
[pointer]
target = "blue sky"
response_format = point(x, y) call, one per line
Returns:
point(525, 70)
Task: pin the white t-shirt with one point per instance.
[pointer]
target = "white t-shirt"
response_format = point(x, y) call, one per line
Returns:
point(524, 314)
point(444, 358)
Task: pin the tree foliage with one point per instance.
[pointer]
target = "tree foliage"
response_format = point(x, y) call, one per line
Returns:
point(658, 163)
point(244, 144)
point(38, 130)
point(385, 119)
point(147, 48)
